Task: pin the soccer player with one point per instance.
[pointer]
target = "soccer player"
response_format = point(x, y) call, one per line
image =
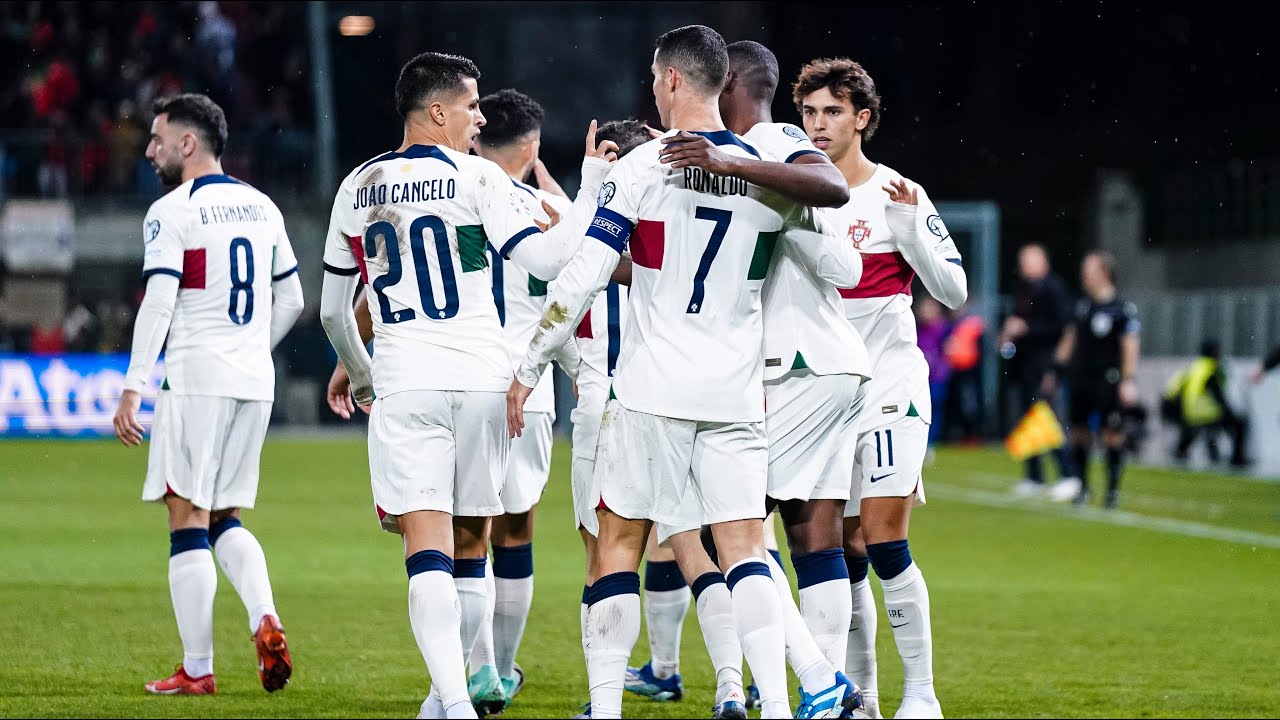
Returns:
point(222, 285)
point(815, 365)
point(686, 414)
point(415, 225)
point(1099, 355)
point(900, 235)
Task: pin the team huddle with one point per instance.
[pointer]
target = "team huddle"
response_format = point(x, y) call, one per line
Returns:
point(732, 299)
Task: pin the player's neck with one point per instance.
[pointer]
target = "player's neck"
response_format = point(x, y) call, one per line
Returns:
point(697, 114)
point(1106, 294)
point(855, 166)
point(742, 121)
point(200, 168)
point(422, 134)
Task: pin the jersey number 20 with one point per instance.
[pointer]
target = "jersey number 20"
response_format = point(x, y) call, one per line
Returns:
point(395, 269)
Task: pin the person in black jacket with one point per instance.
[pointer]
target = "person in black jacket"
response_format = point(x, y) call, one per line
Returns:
point(1041, 312)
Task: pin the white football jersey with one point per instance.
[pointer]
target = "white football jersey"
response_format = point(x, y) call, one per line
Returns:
point(804, 323)
point(701, 245)
point(519, 296)
point(226, 243)
point(417, 226)
point(880, 306)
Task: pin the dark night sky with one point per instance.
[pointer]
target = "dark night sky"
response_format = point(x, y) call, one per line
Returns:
point(1022, 103)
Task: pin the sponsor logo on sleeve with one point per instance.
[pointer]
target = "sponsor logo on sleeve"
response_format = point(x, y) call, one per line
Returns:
point(934, 222)
point(152, 230)
point(795, 132)
point(606, 194)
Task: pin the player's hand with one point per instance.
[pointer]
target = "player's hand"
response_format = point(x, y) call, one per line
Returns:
point(605, 150)
point(653, 134)
point(546, 183)
point(553, 218)
point(516, 395)
point(902, 192)
point(128, 429)
point(339, 393)
point(1014, 328)
point(685, 149)
point(1128, 392)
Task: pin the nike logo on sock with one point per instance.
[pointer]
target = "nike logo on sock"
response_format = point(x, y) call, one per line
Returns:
point(878, 479)
point(895, 627)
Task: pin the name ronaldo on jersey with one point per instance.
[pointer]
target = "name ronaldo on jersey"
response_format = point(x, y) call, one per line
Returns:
point(699, 180)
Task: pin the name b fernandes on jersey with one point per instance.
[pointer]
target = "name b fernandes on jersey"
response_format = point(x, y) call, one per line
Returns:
point(233, 214)
point(406, 192)
point(699, 180)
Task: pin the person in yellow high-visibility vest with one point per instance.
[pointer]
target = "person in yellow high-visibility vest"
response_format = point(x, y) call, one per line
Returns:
point(1199, 396)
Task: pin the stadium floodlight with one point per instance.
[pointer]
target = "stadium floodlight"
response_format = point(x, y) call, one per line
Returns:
point(355, 25)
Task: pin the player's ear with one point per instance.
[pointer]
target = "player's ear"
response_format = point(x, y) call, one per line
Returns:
point(863, 119)
point(730, 82)
point(673, 78)
point(436, 112)
point(188, 144)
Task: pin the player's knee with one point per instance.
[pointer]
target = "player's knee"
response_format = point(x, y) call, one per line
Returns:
point(514, 529)
point(220, 524)
point(889, 558)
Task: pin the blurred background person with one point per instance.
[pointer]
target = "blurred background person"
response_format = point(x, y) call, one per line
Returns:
point(1098, 356)
point(964, 354)
point(933, 328)
point(1029, 337)
point(1197, 401)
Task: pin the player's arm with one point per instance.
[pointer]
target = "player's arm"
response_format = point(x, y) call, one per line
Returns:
point(807, 177)
point(1129, 351)
point(582, 279)
point(544, 254)
point(924, 242)
point(1061, 359)
point(338, 394)
point(341, 278)
point(825, 254)
point(162, 271)
point(622, 273)
point(286, 289)
point(569, 358)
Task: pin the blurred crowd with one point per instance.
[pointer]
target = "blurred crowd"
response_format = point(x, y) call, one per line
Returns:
point(952, 344)
point(75, 99)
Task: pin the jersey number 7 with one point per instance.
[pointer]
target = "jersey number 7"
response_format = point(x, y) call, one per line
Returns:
point(395, 269)
point(721, 218)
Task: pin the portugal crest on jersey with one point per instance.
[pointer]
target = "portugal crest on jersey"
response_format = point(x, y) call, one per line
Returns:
point(859, 233)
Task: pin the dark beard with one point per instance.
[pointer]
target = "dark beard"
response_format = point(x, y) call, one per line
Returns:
point(170, 174)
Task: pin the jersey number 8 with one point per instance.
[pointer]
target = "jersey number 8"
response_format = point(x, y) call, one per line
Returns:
point(395, 269)
point(241, 285)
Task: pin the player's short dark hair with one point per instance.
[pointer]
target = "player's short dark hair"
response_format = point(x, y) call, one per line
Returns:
point(428, 74)
point(845, 79)
point(699, 53)
point(626, 134)
point(756, 67)
point(199, 113)
point(509, 115)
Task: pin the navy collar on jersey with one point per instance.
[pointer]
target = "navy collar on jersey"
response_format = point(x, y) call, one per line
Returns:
point(413, 152)
point(523, 187)
point(213, 180)
point(726, 137)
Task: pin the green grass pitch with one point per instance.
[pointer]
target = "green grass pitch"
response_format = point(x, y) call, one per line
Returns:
point(1037, 610)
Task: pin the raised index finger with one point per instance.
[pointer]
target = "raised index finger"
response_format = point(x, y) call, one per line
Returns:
point(591, 137)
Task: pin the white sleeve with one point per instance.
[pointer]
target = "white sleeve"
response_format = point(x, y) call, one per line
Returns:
point(162, 240)
point(569, 358)
point(339, 254)
point(925, 243)
point(823, 253)
point(583, 278)
point(545, 255)
point(338, 318)
point(286, 306)
point(150, 328)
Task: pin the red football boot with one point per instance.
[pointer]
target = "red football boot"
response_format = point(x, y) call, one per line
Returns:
point(180, 683)
point(274, 665)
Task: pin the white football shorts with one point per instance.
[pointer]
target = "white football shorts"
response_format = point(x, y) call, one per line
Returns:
point(890, 463)
point(206, 449)
point(681, 474)
point(811, 423)
point(528, 464)
point(443, 450)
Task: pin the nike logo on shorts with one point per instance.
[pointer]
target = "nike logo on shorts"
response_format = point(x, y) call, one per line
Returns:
point(875, 479)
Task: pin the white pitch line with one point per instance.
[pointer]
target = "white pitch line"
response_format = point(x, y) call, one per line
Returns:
point(1187, 528)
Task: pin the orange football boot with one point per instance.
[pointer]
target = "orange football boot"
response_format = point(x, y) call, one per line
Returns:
point(180, 683)
point(274, 665)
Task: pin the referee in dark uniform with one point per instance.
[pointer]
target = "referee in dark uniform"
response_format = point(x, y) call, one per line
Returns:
point(1098, 357)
